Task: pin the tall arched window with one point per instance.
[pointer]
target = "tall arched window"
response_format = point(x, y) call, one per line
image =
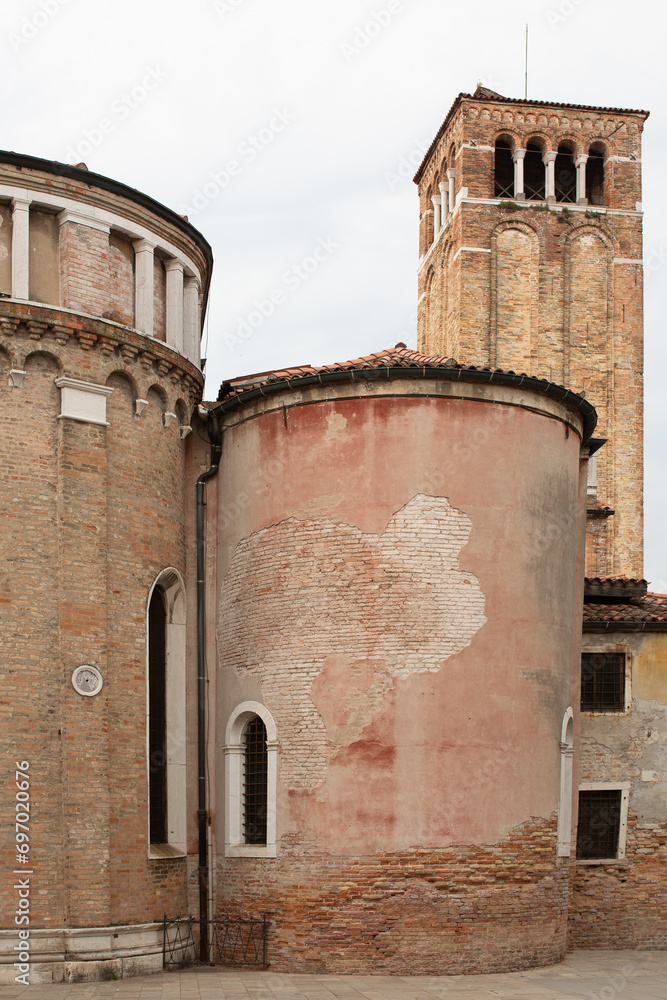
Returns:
point(504, 170)
point(595, 176)
point(251, 770)
point(157, 716)
point(166, 716)
point(565, 175)
point(533, 172)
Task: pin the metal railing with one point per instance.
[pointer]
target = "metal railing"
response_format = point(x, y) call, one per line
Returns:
point(234, 941)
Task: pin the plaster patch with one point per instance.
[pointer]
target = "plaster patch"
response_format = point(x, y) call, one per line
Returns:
point(328, 617)
point(336, 425)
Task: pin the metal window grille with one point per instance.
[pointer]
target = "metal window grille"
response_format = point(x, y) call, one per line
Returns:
point(255, 783)
point(503, 171)
point(602, 682)
point(566, 176)
point(599, 823)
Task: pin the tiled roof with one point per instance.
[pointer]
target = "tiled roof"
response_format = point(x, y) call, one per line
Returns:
point(397, 362)
point(483, 94)
point(633, 613)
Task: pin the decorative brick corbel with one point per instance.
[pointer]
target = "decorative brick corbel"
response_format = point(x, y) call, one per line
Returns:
point(139, 406)
point(169, 419)
point(36, 329)
point(128, 352)
point(185, 429)
point(61, 334)
point(106, 345)
point(164, 367)
point(86, 340)
point(8, 326)
point(146, 360)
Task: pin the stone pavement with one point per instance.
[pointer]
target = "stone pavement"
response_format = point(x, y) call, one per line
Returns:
point(594, 975)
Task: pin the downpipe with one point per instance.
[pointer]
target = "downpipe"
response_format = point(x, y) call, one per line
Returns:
point(205, 860)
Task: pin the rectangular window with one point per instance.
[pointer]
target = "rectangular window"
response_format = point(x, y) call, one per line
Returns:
point(602, 682)
point(599, 823)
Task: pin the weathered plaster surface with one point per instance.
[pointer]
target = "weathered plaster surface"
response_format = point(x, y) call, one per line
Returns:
point(343, 614)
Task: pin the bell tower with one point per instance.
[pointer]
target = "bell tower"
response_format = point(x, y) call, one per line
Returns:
point(531, 261)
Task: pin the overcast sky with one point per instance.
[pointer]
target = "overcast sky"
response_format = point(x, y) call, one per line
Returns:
point(279, 127)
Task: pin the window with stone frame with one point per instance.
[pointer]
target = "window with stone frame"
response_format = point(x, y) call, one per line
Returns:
point(599, 826)
point(602, 682)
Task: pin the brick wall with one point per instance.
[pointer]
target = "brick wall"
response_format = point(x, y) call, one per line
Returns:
point(90, 515)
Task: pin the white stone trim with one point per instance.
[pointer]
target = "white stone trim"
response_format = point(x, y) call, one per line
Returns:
point(191, 320)
point(173, 588)
point(628, 260)
point(128, 227)
point(20, 248)
point(234, 753)
point(81, 219)
point(624, 787)
point(15, 378)
point(144, 285)
point(565, 798)
point(469, 250)
point(83, 401)
point(84, 953)
point(174, 303)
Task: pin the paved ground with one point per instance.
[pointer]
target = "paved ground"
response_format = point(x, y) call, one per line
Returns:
point(594, 975)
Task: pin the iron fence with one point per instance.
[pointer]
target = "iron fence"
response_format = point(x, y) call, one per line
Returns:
point(233, 941)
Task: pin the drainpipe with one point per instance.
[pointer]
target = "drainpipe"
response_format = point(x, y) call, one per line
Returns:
point(213, 428)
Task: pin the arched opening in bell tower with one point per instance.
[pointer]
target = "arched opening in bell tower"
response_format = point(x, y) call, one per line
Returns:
point(595, 175)
point(533, 172)
point(566, 174)
point(504, 170)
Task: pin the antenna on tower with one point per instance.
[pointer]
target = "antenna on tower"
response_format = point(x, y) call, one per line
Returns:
point(526, 75)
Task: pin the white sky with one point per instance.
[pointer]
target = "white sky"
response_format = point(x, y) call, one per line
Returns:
point(352, 110)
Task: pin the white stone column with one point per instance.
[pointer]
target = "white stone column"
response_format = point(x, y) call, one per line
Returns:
point(444, 202)
point(144, 282)
point(549, 160)
point(580, 163)
point(174, 269)
point(20, 249)
point(451, 175)
point(518, 157)
point(437, 223)
point(191, 346)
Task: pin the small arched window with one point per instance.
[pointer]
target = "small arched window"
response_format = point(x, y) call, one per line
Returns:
point(503, 170)
point(255, 782)
point(565, 175)
point(533, 172)
point(251, 768)
point(595, 176)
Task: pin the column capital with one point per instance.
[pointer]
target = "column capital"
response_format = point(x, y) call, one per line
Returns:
point(143, 246)
point(451, 172)
point(436, 199)
point(518, 154)
point(580, 159)
point(549, 157)
point(191, 280)
point(21, 204)
point(173, 264)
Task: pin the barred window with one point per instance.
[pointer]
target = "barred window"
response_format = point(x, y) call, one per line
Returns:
point(255, 782)
point(157, 717)
point(599, 823)
point(602, 682)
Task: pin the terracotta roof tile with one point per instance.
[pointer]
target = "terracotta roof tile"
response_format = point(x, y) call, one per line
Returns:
point(648, 610)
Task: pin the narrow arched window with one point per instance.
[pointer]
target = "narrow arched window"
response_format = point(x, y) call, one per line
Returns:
point(595, 176)
point(504, 170)
point(157, 716)
point(533, 173)
point(565, 175)
point(255, 782)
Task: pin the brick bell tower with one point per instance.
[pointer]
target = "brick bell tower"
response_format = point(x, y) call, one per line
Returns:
point(531, 260)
